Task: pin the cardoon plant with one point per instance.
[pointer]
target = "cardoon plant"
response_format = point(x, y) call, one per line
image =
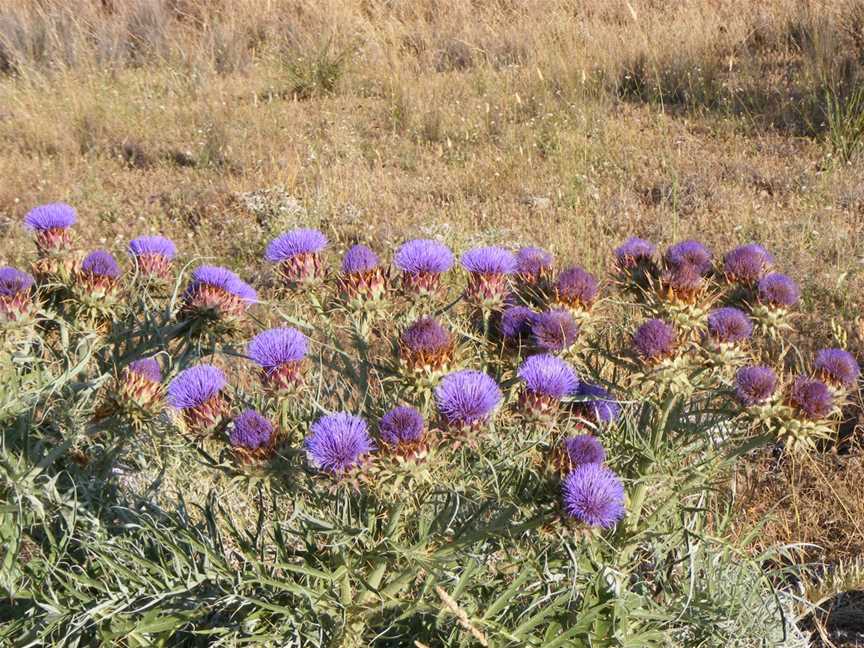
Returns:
point(655, 340)
point(729, 326)
point(778, 291)
point(546, 380)
point(136, 394)
point(582, 450)
point(426, 346)
point(252, 437)
point(216, 293)
point(776, 295)
point(422, 263)
point(691, 253)
point(488, 270)
point(197, 394)
point(362, 278)
point(16, 299)
point(402, 431)
point(98, 274)
point(811, 398)
point(50, 224)
point(633, 253)
point(142, 381)
point(746, 264)
point(755, 385)
point(575, 288)
point(515, 324)
point(554, 331)
point(683, 283)
point(280, 353)
point(339, 443)
point(838, 368)
point(594, 496)
point(533, 265)
point(299, 256)
point(635, 265)
point(467, 400)
point(597, 404)
point(153, 256)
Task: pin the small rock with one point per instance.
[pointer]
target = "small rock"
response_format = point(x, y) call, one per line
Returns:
point(537, 202)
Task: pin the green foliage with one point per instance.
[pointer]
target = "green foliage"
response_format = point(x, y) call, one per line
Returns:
point(844, 115)
point(122, 530)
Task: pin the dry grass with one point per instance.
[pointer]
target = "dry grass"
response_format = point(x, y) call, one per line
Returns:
point(572, 124)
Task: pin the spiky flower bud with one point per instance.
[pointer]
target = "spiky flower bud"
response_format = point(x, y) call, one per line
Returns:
point(50, 224)
point(338, 443)
point(16, 299)
point(196, 393)
point(533, 265)
point(576, 288)
point(215, 293)
point(426, 346)
point(594, 495)
point(488, 269)
point(554, 331)
point(299, 255)
point(423, 262)
point(153, 256)
point(280, 353)
point(546, 379)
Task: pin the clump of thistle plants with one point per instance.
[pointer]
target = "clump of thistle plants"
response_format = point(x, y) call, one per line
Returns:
point(497, 452)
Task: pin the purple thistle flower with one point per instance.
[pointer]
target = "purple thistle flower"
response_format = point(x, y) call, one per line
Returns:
point(746, 263)
point(53, 216)
point(778, 290)
point(685, 280)
point(467, 397)
point(532, 262)
point(278, 346)
point(423, 256)
point(13, 282)
point(692, 253)
point(147, 368)
point(729, 325)
point(516, 322)
point(755, 385)
point(634, 251)
point(294, 243)
point(152, 245)
point(584, 449)
point(195, 386)
point(338, 442)
point(554, 330)
point(594, 495)
point(576, 287)
point(359, 258)
point(655, 339)
point(489, 260)
point(251, 431)
point(101, 264)
point(546, 375)
point(811, 397)
point(222, 279)
point(140, 387)
point(599, 403)
point(401, 425)
point(838, 366)
point(279, 352)
point(15, 297)
point(426, 335)
point(153, 255)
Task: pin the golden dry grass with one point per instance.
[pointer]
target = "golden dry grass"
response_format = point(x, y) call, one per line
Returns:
point(571, 124)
